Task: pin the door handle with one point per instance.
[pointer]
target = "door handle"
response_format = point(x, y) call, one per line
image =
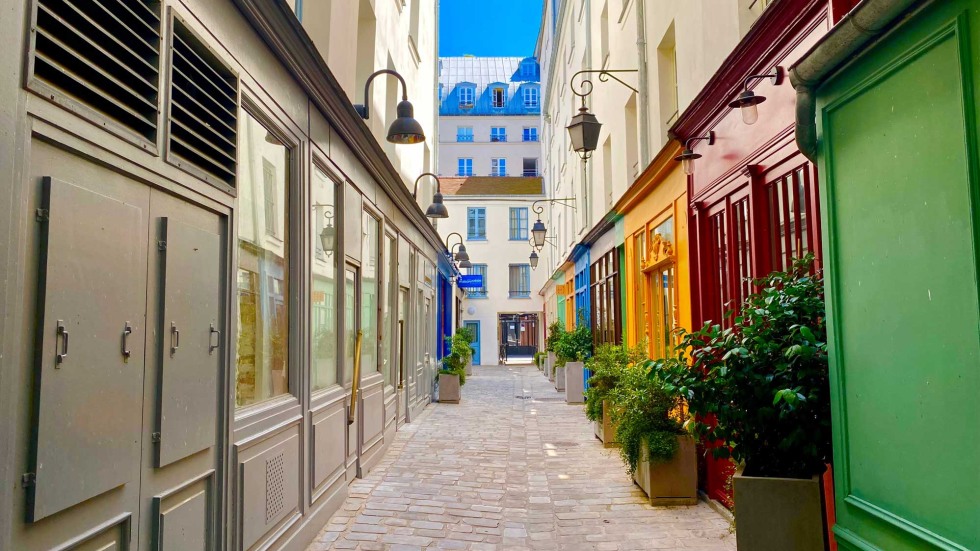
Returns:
point(174, 339)
point(213, 347)
point(126, 333)
point(356, 383)
point(63, 333)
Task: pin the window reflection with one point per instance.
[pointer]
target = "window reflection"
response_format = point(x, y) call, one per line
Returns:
point(369, 294)
point(323, 300)
point(263, 278)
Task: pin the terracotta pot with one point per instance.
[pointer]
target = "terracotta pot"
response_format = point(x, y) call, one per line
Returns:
point(449, 392)
point(605, 431)
point(575, 383)
point(674, 482)
point(778, 514)
point(560, 379)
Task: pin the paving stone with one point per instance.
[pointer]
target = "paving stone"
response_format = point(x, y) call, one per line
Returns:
point(494, 472)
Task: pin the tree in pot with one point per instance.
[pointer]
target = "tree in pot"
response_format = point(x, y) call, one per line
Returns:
point(653, 442)
point(764, 383)
point(452, 376)
point(572, 346)
point(606, 367)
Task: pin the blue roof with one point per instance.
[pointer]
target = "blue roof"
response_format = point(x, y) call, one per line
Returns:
point(483, 74)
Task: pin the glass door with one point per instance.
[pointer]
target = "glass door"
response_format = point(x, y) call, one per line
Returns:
point(352, 343)
point(402, 373)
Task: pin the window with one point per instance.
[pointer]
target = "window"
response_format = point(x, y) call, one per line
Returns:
point(498, 167)
point(661, 283)
point(498, 134)
point(323, 295)
point(466, 94)
point(531, 134)
point(497, 97)
point(262, 350)
point(464, 133)
point(518, 223)
point(520, 281)
point(464, 166)
point(792, 203)
point(528, 68)
point(606, 299)
point(370, 291)
point(480, 292)
point(476, 223)
point(531, 97)
point(530, 167)
point(667, 71)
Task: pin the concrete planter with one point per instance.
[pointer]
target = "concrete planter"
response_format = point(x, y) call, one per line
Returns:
point(778, 514)
point(469, 366)
point(605, 431)
point(449, 392)
point(550, 371)
point(560, 379)
point(674, 482)
point(575, 383)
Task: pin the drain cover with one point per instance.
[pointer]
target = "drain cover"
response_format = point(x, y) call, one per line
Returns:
point(562, 444)
point(522, 397)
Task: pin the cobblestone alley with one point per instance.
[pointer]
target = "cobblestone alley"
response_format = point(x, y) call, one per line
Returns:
point(511, 467)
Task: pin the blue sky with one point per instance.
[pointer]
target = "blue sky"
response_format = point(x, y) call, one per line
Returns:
point(489, 28)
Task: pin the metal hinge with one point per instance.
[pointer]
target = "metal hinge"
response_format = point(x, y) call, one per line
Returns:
point(155, 437)
point(41, 215)
point(28, 479)
point(162, 245)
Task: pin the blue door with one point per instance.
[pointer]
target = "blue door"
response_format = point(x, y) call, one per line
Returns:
point(474, 326)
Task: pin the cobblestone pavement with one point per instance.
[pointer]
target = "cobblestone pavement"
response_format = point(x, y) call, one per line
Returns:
point(497, 472)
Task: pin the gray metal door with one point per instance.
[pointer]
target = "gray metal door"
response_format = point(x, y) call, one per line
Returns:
point(89, 354)
point(189, 368)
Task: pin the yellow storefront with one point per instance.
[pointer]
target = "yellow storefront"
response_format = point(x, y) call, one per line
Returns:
point(658, 277)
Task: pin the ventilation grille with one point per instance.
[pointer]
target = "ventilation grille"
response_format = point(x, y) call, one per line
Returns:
point(103, 54)
point(275, 478)
point(203, 109)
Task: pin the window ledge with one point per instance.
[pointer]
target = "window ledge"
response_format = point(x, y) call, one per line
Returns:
point(476, 238)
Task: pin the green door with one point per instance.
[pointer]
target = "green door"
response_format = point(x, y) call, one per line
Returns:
point(900, 212)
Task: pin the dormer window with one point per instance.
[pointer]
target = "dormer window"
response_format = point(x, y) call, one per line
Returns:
point(527, 68)
point(531, 97)
point(497, 97)
point(466, 94)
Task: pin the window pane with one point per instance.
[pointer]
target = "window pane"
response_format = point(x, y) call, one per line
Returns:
point(369, 294)
point(350, 323)
point(387, 309)
point(323, 311)
point(262, 362)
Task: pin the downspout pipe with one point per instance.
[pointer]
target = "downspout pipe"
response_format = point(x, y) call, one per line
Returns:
point(865, 23)
point(644, 99)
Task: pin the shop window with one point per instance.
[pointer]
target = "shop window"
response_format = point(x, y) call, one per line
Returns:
point(729, 259)
point(606, 299)
point(792, 201)
point(323, 294)
point(262, 350)
point(370, 291)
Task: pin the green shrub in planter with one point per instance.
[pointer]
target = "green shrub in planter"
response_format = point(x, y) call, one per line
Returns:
point(644, 410)
point(574, 345)
point(764, 380)
point(454, 363)
point(607, 366)
point(554, 333)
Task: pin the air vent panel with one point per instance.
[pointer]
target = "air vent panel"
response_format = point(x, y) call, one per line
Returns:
point(103, 55)
point(203, 110)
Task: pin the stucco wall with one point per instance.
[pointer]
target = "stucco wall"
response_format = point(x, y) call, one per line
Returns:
point(481, 149)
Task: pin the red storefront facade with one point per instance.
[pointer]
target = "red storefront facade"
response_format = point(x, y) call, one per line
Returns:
point(754, 197)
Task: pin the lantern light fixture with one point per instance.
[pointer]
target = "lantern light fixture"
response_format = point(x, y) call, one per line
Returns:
point(585, 127)
point(533, 259)
point(688, 156)
point(328, 235)
point(437, 209)
point(748, 102)
point(405, 129)
point(460, 256)
point(539, 232)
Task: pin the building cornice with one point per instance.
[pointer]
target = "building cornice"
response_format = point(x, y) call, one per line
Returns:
point(285, 36)
point(659, 168)
point(781, 27)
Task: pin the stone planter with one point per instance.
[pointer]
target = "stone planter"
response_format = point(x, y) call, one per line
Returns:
point(605, 431)
point(448, 389)
point(469, 366)
point(575, 383)
point(674, 482)
point(560, 379)
point(778, 514)
point(550, 371)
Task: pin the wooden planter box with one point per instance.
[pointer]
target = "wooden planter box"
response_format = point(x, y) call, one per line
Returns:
point(449, 392)
point(778, 514)
point(606, 431)
point(575, 383)
point(674, 482)
point(560, 379)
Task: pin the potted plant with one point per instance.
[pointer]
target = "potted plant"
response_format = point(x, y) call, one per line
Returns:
point(572, 348)
point(654, 444)
point(763, 383)
point(606, 367)
point(452, 376)
point(555, 330)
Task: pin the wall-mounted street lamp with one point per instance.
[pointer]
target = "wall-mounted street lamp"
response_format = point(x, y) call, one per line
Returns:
point(584, 129)
point(437, 209)
point(533, 259)
point(748, 102)
point(328, 235)
point(688, 156)
point(405, 129)
point(539, 232)
point(461, 255)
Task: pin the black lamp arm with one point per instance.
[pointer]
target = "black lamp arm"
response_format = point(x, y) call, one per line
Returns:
point(561, 201)
point(709, 137)
point(604, 76)
point(776, 75)
point(415, 191)
point(457, 234)
point(364, 109)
